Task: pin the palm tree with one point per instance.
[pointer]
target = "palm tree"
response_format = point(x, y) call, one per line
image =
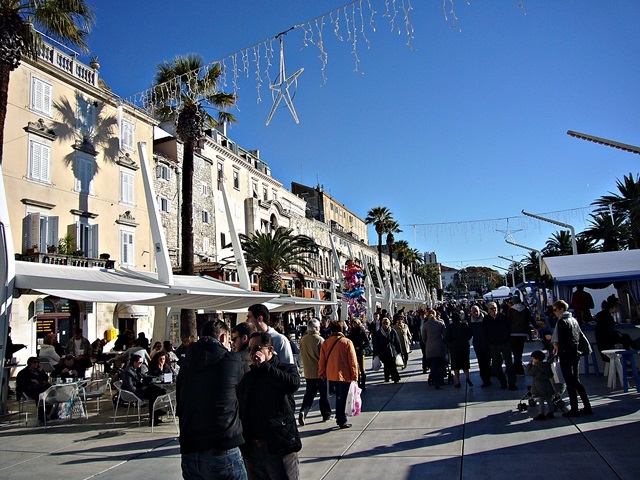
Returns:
point(379, 217)
point(277, 252)
point(401, 248)
point(627, 204)
point(182, 91)
point(558, 244)
point(68, 21)
point(391, 228)
point(612, 232)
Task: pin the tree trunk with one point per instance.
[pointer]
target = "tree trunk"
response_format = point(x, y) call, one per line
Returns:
point(187, 316)
point(380, 253)
point(5, 74)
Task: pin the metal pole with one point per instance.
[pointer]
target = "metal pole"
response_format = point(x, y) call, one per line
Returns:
point(574, 245)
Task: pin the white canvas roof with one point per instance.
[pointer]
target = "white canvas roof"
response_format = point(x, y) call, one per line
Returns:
point(132, 287)
point(588, 268)
point(288, 303)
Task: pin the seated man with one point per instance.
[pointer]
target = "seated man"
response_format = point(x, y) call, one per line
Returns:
point(133, 381)
point(68, 367)
point(32, 381)
point(80, 348)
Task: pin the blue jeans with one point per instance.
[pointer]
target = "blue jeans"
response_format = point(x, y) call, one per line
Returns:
point(214, 464)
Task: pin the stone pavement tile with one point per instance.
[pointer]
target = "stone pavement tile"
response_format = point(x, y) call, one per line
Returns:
point(541, 460)
point(161, 462)
point(403, 468)
point(316, 468)
point(326, 443)
point(68, 467)
point(407, 442)
point(425, 419)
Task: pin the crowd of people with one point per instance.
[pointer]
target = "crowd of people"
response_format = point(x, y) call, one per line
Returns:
point(235, 386)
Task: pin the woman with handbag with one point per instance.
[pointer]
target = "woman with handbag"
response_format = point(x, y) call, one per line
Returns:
point(566, 340)
point(338, 364)
point(386, 346)
point(404, 335)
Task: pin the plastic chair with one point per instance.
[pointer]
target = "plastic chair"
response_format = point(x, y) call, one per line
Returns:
point(95, 390)
point(57, 394)
point(24, 403)
point(129, 397)
point(47, 367)
point(166, 401)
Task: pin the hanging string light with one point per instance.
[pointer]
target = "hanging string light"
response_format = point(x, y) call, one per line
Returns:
point(349, 23)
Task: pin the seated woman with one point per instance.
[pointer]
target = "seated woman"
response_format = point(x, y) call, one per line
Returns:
point(159, 366)
point(607, 337)
point(48, 351)
point(132, 381)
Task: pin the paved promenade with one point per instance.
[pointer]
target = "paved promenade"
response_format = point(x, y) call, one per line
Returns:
point(406, 431)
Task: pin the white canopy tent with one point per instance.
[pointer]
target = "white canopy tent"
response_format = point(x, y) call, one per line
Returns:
point(498, 293)
point(602, 267)
point(590, 268)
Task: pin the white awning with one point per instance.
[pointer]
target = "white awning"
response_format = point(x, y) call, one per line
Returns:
point(132, 287)
point(88, 284)
point(602, 267)
point(203, 292)
point(288, 303)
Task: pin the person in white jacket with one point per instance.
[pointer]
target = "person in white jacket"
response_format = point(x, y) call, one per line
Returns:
point(48, 351)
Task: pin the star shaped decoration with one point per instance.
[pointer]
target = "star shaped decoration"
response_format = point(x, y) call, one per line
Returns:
point(281, 88)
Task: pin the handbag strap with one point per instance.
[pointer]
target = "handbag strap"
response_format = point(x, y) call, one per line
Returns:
point(332, 347)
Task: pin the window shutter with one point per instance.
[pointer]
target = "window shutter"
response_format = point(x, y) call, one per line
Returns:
point(158, 171)
point(52, 231)
point(46, 97)
point(30, 230)
point(93, 242)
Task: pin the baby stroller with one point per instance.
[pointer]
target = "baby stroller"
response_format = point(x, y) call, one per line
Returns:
point(447, 374)
point(529, 400)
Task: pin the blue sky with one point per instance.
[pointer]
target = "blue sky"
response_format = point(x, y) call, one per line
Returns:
point(454, 135)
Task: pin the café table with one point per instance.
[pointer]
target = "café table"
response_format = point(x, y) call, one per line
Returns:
point(618, 358)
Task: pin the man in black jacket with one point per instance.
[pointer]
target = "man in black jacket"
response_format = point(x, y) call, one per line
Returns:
point(498, 331)
point(210, 429)
point(267, 410)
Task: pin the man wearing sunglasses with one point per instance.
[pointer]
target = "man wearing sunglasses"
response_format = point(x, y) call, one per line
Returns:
point(240, 342)
point(267, 411)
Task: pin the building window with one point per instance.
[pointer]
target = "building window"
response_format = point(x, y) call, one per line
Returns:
point(41, 95)
point(86, 238)
point(204, 189)
point(205, 244)
point(126, 135)
point(265, 194)
point(85, 117)
point(163, 171)
point(126, 188)
point(220, 174)
point(39, 161)
point(126, 248)
point(206, 217)
point(39, 230)
point(236, 180)
point(254, 190)
point(164, 204)
point(223, 240)
point(84, 173)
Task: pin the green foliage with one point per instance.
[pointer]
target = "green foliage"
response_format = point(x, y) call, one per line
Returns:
point(277, 252)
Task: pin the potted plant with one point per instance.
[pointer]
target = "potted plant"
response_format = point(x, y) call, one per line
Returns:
point(52, 249)
point(67, 244)
point(105, 256)
point(77, 253)
point(94, 63)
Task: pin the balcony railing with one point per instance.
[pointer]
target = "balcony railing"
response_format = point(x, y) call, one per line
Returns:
point(68, 64)
point(58, 259)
